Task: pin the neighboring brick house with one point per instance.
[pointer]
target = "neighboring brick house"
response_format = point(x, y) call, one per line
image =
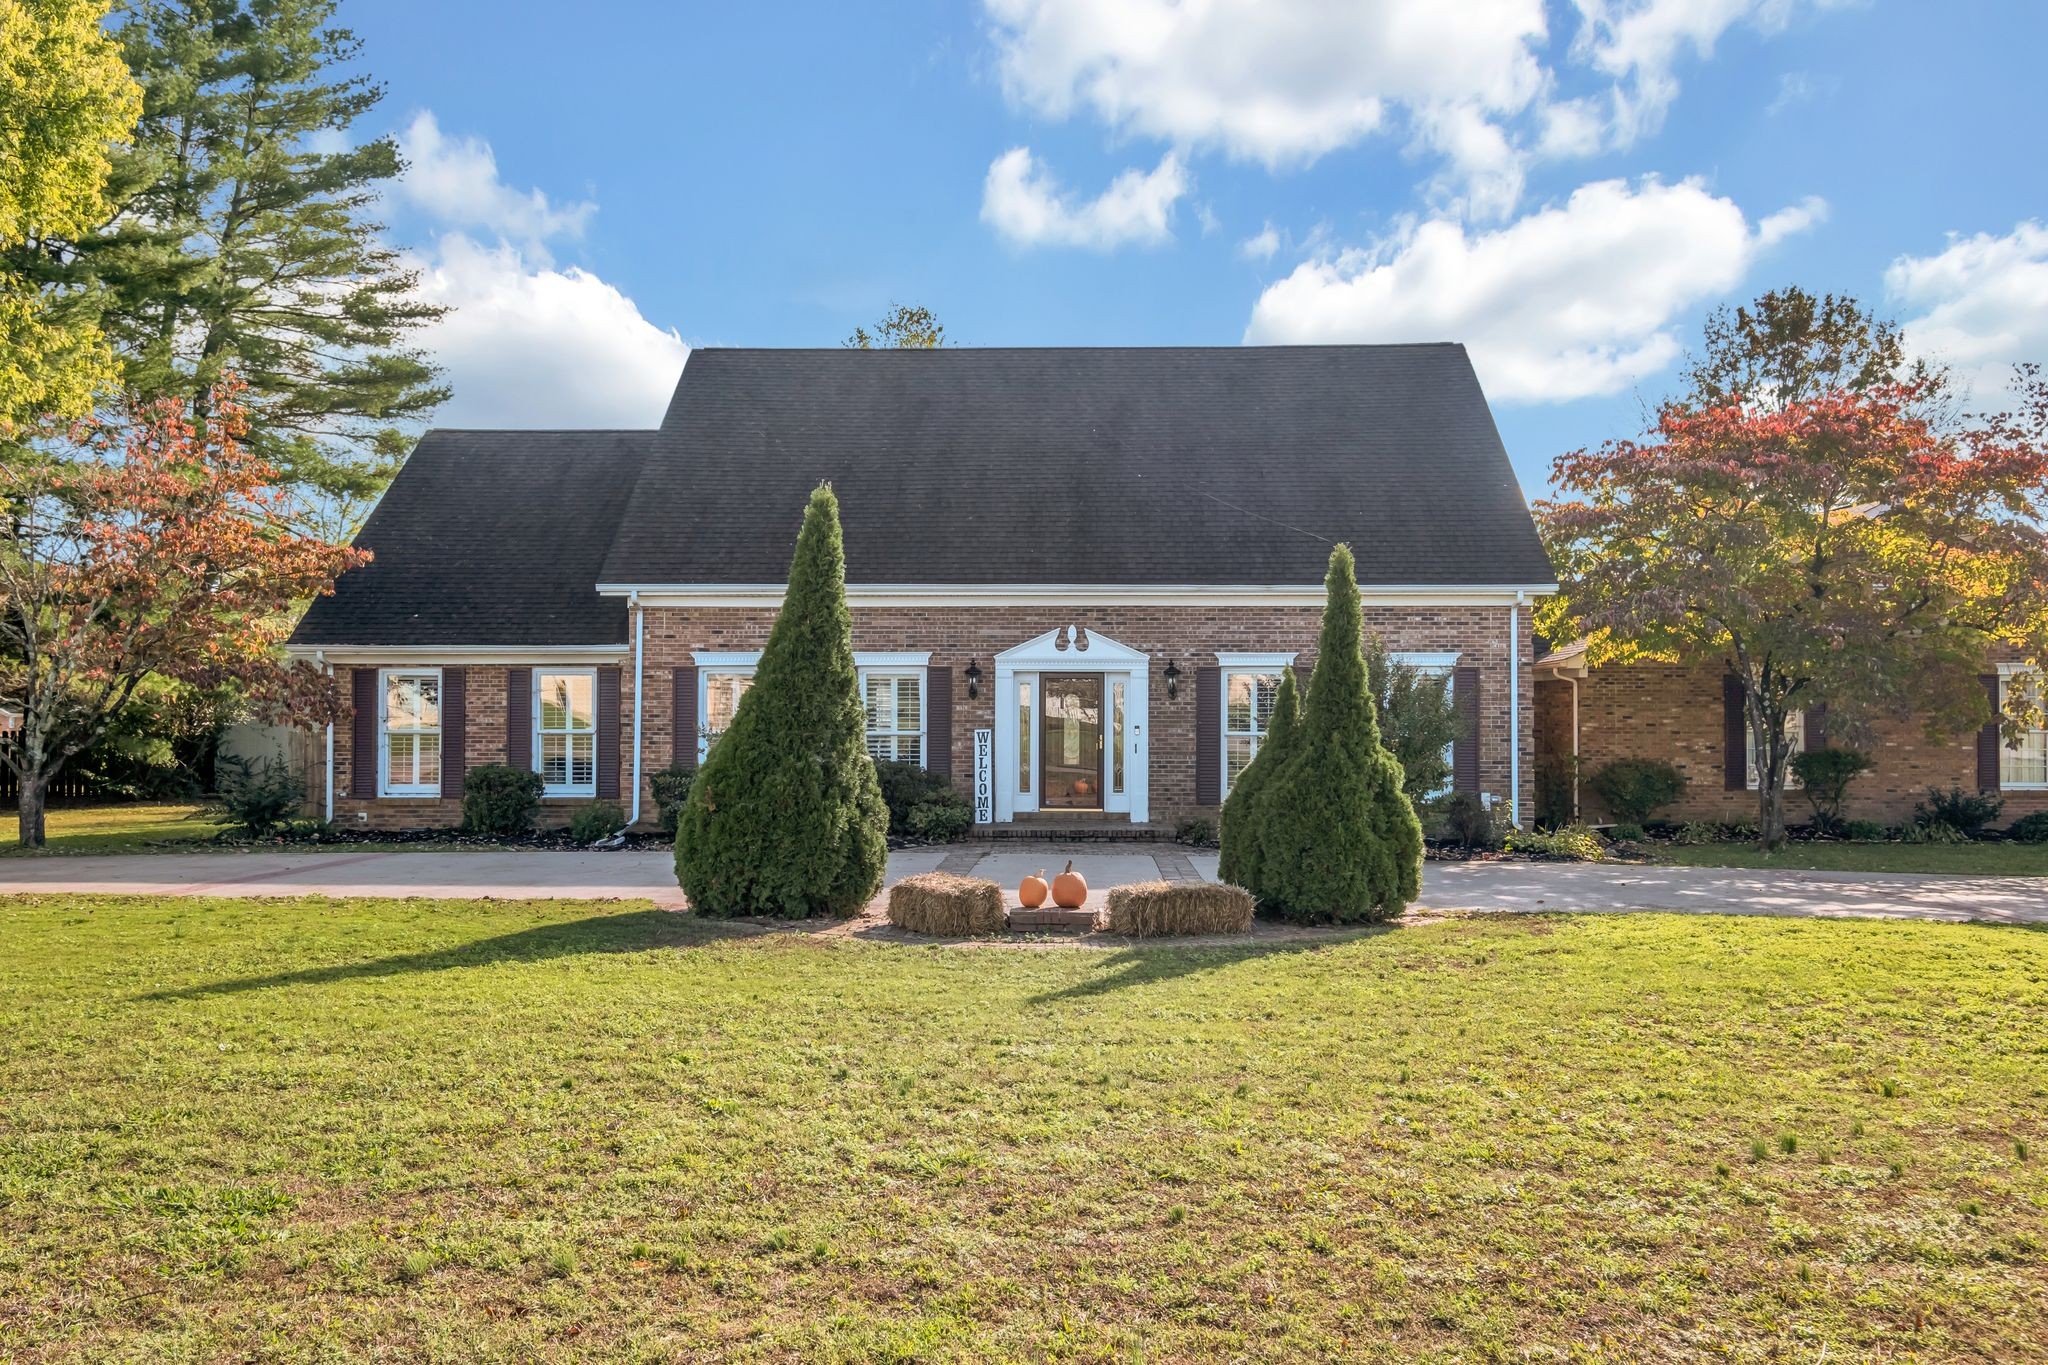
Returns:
point(1694, 718)
point(1074, 574)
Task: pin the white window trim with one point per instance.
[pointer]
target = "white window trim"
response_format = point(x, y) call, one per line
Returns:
point(1795, 731)
point(913, 671)
point(1437, 664)
point(1230, 664)
point(2008, 752)
point(386, 788)
point(533, 702)
point(744, 663)
point(733, 665)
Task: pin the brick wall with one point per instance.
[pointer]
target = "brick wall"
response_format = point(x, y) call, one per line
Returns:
point(1189, 637)
point(1675, 713)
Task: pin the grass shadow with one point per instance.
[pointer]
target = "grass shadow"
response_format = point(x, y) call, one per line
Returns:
point(631, 932)
point(1144, 966)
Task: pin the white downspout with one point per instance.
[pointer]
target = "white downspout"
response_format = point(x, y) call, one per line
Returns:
point(639, 692)
point(1575, 746)
point(320, 657)
point(1515, 710)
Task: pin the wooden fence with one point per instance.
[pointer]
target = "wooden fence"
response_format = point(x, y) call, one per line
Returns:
point(67, 787)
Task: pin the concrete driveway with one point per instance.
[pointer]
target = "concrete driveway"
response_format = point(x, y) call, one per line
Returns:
point(1498, 887)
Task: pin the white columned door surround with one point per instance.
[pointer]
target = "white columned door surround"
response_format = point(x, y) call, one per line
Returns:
point(1069, 649)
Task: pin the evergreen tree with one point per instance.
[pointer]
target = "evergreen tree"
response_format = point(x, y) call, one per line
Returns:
point(786, 815)
point(242, 242)
point(1238, 860)
point(1418, 720)
point(1337, 839)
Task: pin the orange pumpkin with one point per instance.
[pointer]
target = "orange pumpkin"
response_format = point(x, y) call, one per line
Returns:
point(1069, 889)
point(1032, 891)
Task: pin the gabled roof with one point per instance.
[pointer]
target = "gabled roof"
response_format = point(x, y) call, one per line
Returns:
point(489, 538)
point(1107, 465)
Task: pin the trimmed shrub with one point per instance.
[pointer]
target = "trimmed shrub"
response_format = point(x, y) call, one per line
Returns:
point(1556, 775)
point(1468, 822)
point(671, 788)
point(1572, 844)
point(1869, 831)
point(598, 820)
point(1195, 832)
point(947, 906)
point(905, 787)
point(1626, 834)
point(1966, 812)
point(1337, 840)
point(261, 797)
point(1634, 789)
point(1238, 862)
point(786, 815)
point(500, 801)
point(1825, 775)
point(1697, 832)
point(941, 817)
point(1157, 909)
point(2031, 828)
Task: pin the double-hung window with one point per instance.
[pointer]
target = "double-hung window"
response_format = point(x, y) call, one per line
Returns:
point(1250, 684)
point(1795, 745)
point(894, 703)
point(2026, 765)
point(1442, 666)
point(411, 721)
point(565, 730)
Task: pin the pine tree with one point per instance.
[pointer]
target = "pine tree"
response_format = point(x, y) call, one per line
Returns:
point(242, 242)
point(786, 815)
point(1238, 861)
point(1338, 841)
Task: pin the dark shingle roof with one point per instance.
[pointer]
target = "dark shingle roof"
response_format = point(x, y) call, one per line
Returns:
point(489, 538)
point(1213, 465)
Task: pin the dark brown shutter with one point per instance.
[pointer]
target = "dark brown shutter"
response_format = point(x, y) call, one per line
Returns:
point(1302, 673)
point(454, 727)
point(1989, 739)
point(608, 685)
point(1209, 736)
point(519, 719)
point(362, 754)
point(1465, 750)
point(1816, 727)
point(684, 708)
point(938, 720)
point(1734, 736)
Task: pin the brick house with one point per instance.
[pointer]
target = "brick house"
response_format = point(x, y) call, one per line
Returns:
point(1074, 574)
point(1693, 718)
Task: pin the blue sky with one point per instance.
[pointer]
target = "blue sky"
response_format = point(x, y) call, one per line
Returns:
point(1566, 187)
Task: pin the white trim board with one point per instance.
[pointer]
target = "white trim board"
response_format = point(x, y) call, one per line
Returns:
point(1078, 594)
point(459, 654)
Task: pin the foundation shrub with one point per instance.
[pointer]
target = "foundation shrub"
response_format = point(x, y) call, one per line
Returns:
point(598, 820)
point(500, 801)
point(1634, 789)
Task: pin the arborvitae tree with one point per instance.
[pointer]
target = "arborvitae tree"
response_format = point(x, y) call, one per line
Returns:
point(1338, 841)
point(786, 815)
point(1238, 861)
point(243, 240)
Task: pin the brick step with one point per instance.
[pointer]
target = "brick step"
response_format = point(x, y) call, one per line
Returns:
point(1050, 919)
point(1059, 831)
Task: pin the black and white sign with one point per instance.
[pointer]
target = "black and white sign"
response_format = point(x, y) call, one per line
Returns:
point(984, 777)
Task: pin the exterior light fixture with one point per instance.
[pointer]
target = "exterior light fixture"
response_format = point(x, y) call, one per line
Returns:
point(1172, 680)
point(973, 679)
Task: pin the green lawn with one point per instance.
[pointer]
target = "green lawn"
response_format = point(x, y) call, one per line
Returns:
point(312, 1130)
point(1976, 860)
point(114, 829)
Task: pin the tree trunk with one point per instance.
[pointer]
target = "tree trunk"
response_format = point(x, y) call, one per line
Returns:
point(32, 811)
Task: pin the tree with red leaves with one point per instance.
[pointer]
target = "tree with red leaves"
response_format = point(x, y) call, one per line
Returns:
point(1835, 549)
point(155, 551)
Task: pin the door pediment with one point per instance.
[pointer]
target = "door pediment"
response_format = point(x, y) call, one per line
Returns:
point(1074, 649)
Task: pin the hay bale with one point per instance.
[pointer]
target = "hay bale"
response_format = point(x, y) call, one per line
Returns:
point(1154, 909)
point(946, 906)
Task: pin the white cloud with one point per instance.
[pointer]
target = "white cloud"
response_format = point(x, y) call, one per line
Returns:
point(455, 182)
point(1981, 305)
point(1283, 82)
point(1261, 245)
point(1024, 203)
point(1570, 301)
point(524, 344)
